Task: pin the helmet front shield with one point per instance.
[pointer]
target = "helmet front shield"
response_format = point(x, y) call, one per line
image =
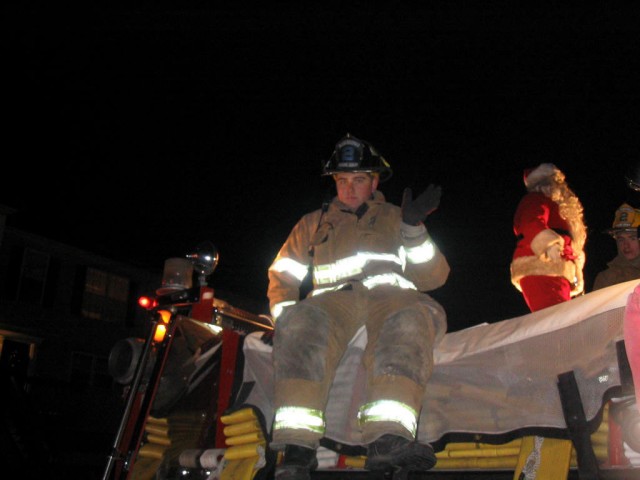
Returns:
point(353, 155)
point(627, 219)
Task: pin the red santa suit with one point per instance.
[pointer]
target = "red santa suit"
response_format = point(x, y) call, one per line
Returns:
point(547, 262)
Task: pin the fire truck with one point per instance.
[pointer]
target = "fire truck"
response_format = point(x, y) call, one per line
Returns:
point(546, 395)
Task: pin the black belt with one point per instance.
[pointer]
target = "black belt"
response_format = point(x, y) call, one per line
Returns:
point(559, 231)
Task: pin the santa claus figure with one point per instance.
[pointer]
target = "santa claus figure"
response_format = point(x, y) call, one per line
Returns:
point(547, 265)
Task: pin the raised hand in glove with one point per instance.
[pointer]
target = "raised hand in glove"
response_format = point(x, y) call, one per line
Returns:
point(417, 210)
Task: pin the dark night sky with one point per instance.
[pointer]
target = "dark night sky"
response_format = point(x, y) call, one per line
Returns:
point(138, 132)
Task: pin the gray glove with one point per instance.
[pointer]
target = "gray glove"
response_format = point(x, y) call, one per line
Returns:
point(416, 211)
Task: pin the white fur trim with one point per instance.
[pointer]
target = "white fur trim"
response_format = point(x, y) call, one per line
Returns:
point(528, 266)
point(542, 171)
point(544, 239)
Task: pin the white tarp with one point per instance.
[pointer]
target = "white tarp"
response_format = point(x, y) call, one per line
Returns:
point(488, 379)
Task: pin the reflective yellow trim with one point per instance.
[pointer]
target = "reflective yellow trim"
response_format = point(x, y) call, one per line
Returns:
point(300, 418)
point(349, 266)
point(320, 291)
point(419, 254)
point(390, 411)
point(297, 269)
point(388, 279)
point(371, 282)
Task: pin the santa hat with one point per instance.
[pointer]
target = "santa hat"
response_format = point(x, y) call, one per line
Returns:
point(533, 176)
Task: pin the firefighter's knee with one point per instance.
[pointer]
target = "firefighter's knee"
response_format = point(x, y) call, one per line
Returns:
point(300, 343)
point(405, 346)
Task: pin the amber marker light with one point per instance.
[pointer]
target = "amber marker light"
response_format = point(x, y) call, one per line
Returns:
point(161, 328)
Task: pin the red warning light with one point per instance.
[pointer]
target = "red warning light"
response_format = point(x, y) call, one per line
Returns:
point(147, 302)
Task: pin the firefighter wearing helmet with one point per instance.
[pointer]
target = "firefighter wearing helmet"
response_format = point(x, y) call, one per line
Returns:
point(626, 264)
point(370, 262)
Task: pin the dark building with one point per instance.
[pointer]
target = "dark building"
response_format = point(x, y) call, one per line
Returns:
point(61, 311)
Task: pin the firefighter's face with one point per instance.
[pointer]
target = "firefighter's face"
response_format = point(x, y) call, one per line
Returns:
point(628, 245)
point(355, 188)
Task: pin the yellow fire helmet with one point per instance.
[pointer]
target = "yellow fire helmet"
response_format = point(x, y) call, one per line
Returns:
point(627, 219)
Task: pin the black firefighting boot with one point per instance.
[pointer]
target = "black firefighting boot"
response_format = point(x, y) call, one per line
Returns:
point(297, 464)
point(399, 456)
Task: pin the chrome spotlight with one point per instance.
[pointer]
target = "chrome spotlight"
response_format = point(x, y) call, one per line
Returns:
point(205, 260)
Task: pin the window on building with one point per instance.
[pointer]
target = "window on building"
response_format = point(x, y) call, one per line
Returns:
point(33, 276)
point(105, 296)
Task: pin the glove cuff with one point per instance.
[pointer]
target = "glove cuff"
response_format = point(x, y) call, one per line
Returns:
point(412, 231)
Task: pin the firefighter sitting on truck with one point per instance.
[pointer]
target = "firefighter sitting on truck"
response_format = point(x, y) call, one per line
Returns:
point(370, 261)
